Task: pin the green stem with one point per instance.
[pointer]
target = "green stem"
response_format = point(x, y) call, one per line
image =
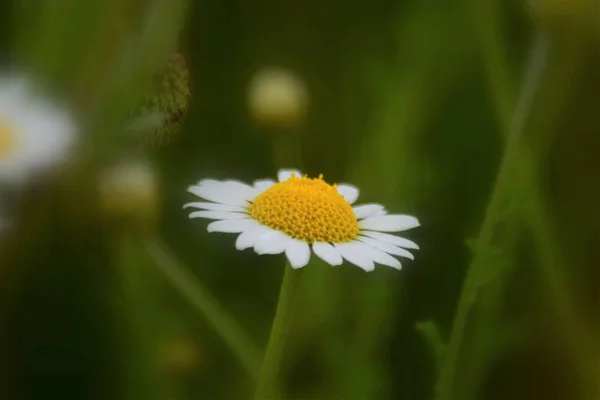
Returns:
point(577, 341)
point(208, 306)
point(268, 385)
point(141, 308)
point(493, 214)
point(488, 22)
point(537, 216)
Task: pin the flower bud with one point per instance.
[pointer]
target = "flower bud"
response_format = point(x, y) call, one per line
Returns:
point(277, 97)
point(129, 189)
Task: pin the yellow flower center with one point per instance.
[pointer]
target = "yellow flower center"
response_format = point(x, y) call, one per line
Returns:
point(307, 209)
point(8, 140)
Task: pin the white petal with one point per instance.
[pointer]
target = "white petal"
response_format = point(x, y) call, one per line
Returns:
point(367, 210)
point(242, 187)
point(393, 239)
point(354, 253)
point(214, 207)
point(263, 184)
point(218, 215)
point(205, 182)
point(232, 225)
point(285, 174)
point(250, 237)
point(220, 194)
point(379, 256)
point(298, 253)
point(387, 247)
point(385, 259)
point(389, 223)
point(349, 192)
point(272, 242)
point(327, 253)
point(248, 191)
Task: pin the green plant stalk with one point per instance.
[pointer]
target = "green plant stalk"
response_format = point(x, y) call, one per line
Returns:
point(493, 214)
point(268, 386)
point(578, 340)
point(536, 215)
point(207, 305)
point(143, 376)
point(487, 18)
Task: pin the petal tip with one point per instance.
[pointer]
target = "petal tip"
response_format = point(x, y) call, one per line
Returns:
point(210, 227)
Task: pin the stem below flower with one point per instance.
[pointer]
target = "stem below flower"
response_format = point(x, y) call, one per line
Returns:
point(268, 385)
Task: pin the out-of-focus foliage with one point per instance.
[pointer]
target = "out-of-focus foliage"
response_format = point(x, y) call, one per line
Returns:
point(479, 117)
point(165, 109)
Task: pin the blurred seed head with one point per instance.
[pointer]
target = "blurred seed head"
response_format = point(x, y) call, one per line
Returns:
point(129, 189)
point(181, 354)
point(277, 97)
point(162, 112)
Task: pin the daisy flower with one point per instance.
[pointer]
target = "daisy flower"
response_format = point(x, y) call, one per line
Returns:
point(34, 133)
point(298, 214)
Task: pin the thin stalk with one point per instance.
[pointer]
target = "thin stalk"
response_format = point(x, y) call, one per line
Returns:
point(143, 378)
point(537, 216)
point(224, 325)
point(535, 68)
point(488, 22)
point(577, 339)
point(268, 386)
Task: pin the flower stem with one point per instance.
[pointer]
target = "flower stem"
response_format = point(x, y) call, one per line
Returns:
point(268, 385)
point(535, 69)
point(229, 330)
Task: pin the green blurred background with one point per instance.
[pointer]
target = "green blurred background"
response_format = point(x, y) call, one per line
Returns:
point(479, 117)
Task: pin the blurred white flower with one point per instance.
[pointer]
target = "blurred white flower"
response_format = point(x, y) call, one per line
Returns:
point(35, 134)
point(298, 214)
point(128, 187)
point(277, 97)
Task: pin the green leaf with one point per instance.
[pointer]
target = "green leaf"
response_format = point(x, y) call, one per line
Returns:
point(430, 332)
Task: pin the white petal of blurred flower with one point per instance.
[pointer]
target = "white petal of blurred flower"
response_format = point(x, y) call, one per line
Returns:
point(299, 214)
point(35, 133)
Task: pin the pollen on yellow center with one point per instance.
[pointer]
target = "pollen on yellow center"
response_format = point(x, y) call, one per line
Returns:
point(307, 209)
point(8, 141)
